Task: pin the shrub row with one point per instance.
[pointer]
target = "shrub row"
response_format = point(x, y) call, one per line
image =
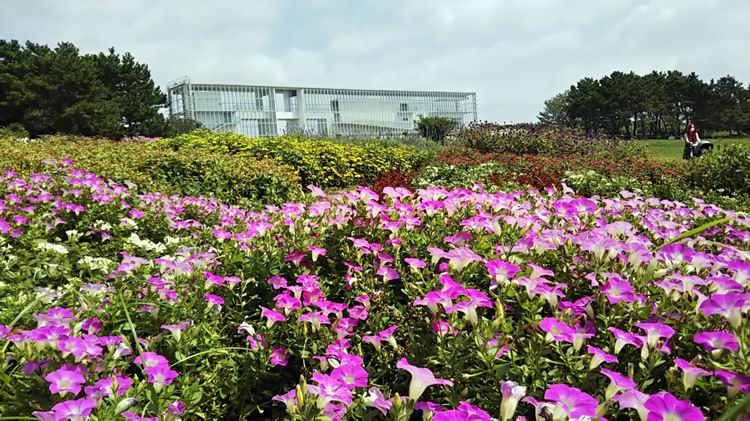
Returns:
point(541, 139)
point(324, 163)
point(237, 180)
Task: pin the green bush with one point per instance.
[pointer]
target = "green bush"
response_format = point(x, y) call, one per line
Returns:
point(233, 179)
point(726, 171)
point(321, 162)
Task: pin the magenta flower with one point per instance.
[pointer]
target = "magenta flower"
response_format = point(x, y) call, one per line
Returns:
point(329, 390)
point(690, 373)
point(350, 375)
point(279, 356)
point(618, 383)
point(735, 382)
point(464, 412)
point(476, 299)
point(64, 381)
point(74, 410)
point(213, 300)
point(151, 359)
point(570, 402)
point(388, 274)
point(384, 335)
point(461, 257)
point(176, 408)
point(664, 406)
point(271, 316)
point(729, 306)
point(623, 338)
point(176, 329)
point(316, 252)
point(501, 272)
point(160, 376)
point(289, 399)
point(375, 399)
point(599, 357)
point(556, 330)
point(741, 270)
point(676, 254)
point(618, 290)
point(633, 399)
point(109, 387)
point(717, 341)
point(415, 264)
point(655, 332)
point(512, 393)
point(421, 379)
point(132, 416)
point(316, 318)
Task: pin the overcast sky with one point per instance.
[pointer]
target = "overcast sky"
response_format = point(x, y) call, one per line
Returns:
point(513, 53)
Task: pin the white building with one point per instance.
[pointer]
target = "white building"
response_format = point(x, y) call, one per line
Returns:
point(275, 110)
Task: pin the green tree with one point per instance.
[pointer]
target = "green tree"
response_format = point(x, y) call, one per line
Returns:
point(177, 126)
point(556, 110)
point(61, 91)
point(435, 127)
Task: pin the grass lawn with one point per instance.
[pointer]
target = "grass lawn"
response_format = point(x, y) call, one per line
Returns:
point(672, 149)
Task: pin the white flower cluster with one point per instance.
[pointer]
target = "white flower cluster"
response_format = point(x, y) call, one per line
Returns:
point(101, 264)
point(145, 243)
point(56, 248)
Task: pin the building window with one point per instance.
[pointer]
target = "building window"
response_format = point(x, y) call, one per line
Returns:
point(335, 105)
point(404, 107)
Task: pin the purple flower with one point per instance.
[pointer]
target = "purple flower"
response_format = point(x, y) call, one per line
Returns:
point(570, 402)
point(176, 408)
point(132, 416)
point(74, 410)
point(599, 357)
point(64, 381)
point(727, 305)
point(501, 272)
point(271, 316)
point(213, 300)
point(384, 335)
point(717, 341)
point(556, 330)
point(665, 407)
point(618, 383)
point(618, 290)
point(735, 382)
point(690, 373)
point(623, 338)
point(512, 393)
point(476, 299)
point(421, 379)
point(464, 412)
point(350, 375)
point(633, 399)
point(316, 252)
point(415, 264)
point(109, 387)
point(316, 318)
point(375, 399)
point(151, 359)
point(289, 399)
point(176, 329)
point(329, 389)
point(655, 332)
point(160, 376)
point(279, 356)
point(388, 274)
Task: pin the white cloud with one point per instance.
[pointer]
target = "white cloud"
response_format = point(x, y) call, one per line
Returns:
point(513, 53)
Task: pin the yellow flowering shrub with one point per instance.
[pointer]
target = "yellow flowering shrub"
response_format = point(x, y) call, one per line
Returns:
point(324, 163)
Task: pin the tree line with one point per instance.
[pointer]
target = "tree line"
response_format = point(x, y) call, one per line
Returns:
point(655, 105)
point(47, 90)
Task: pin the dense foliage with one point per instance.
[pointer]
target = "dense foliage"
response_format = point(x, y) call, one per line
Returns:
point(236, 180)
point(456, 303)
point(435, 127)
point(654, 105)
point(321, 162)
point(58, 90)
point(541, 139)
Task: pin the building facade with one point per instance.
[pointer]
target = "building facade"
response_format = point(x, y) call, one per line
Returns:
point(276, 110)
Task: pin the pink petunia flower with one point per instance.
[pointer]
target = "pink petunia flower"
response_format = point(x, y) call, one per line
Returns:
point(557, 330)
point(271, 316)
point(64, 381)
point(729, 306)
point(690, 373)
point(618, 383)
point(599, 357)
point(421, 379)
point(375, 399)
point(160, 376)
point(664, 406)
point(717, 341)
point(570, 402)
point(74, 410)
point(512, 393)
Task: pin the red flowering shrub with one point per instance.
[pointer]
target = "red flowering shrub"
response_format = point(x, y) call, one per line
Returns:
point(395, 178)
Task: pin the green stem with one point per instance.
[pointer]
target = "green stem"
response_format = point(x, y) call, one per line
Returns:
point(208, 352)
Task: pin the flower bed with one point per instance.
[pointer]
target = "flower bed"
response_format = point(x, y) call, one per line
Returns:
point(461, 304)
point(322, 162)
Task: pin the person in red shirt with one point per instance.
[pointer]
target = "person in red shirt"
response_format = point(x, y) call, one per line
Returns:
point(692, 139)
